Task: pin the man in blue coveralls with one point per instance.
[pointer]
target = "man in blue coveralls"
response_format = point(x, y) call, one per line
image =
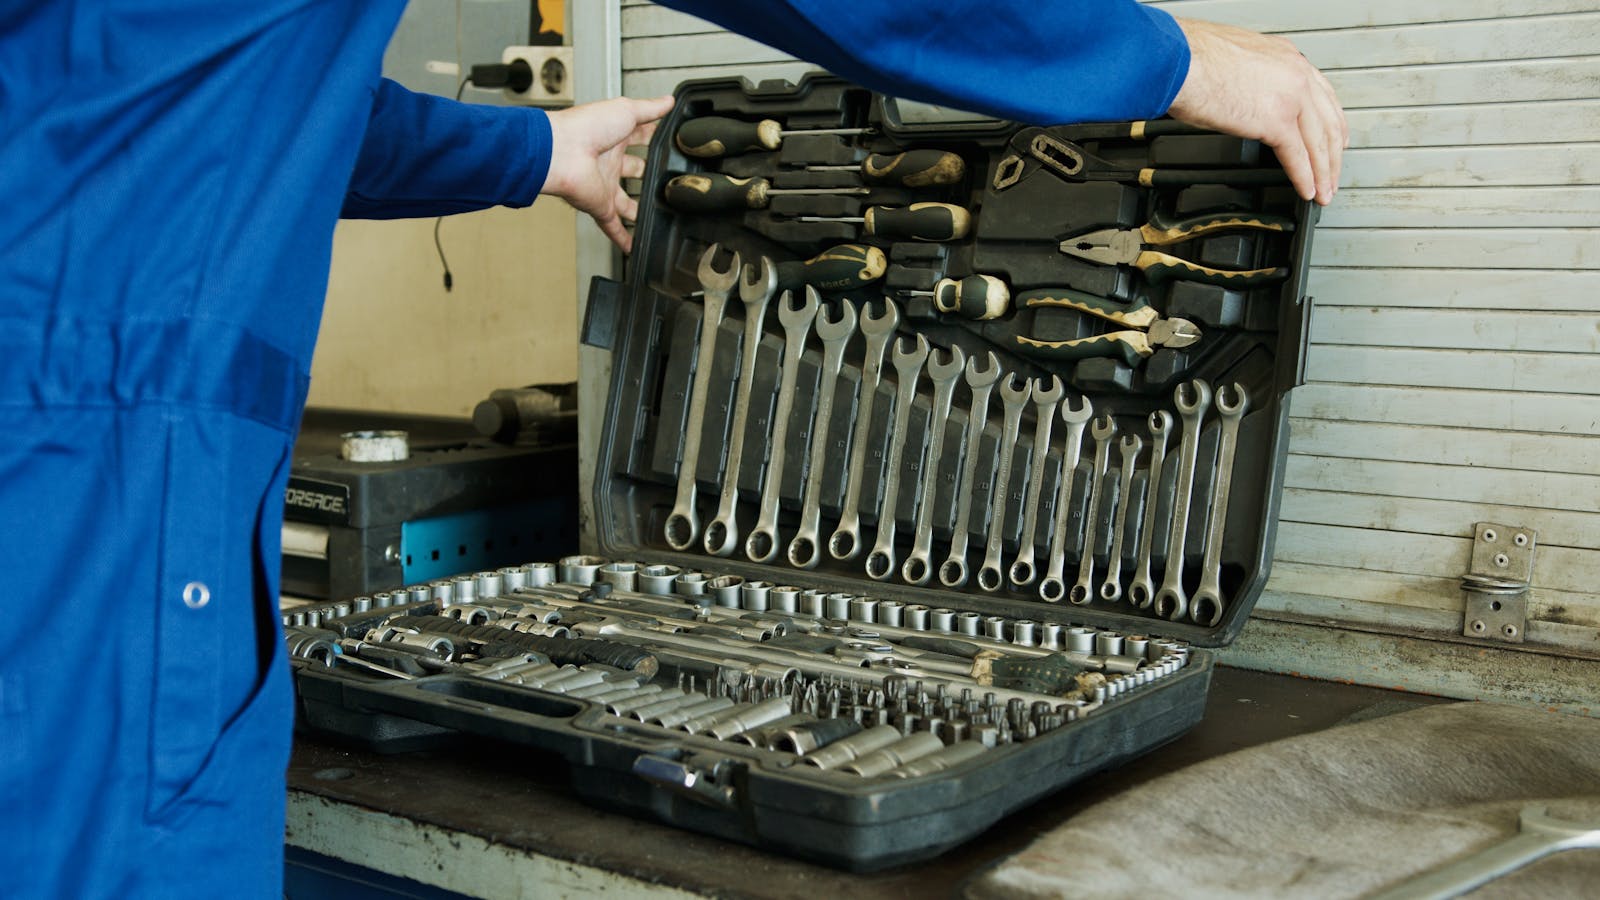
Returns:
point(170, 175)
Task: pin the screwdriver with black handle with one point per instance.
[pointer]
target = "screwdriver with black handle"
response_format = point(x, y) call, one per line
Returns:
point(973, 297)
point(708, 192)
point(913, 168)
point(711, 136)
point(917, 222)
point(844, 267)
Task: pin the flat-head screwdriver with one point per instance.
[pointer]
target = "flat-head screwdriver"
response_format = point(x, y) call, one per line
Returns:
point(917, 222)
point(913, 168)
point(708, 192)
point(712, 136)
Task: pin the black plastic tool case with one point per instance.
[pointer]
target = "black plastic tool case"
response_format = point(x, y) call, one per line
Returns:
point(650, 321)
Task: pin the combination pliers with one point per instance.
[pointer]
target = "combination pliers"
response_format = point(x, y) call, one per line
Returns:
point(1131, 247)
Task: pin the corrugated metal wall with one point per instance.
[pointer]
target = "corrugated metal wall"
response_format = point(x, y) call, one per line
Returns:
point(1454, 375)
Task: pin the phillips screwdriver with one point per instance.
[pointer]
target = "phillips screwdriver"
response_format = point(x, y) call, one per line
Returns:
point(706, 192)
point(973, 297)
point(917, 222)
point(712, 136)
point(913, 168)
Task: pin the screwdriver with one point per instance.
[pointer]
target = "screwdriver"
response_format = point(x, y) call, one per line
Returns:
point(841, 268)
point(973, 297)
point(913, 168)
point(917, 222)
point(712, 136)
point(706, 192)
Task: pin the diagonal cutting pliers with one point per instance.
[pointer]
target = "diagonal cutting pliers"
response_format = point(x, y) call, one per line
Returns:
point(1144, 329)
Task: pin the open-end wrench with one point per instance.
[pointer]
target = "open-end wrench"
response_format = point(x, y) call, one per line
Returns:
point(1142, 592)
point(683, 524)
point(756, 287)
point(1192, 398)
point(907, 369)
point(1045, 402)
point(1103, 430)
point(1111, 588)
point(761, 545)
point(1539, 835)
point(1206, 607)
point(1053, 587)
point(1015, 399)
point(846, 540)
point(980, 381)
point(918, 566)
point(805, 550)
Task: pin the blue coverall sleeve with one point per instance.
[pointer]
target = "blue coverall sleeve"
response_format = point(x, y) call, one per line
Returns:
point(424, 155)
point(1037, 62)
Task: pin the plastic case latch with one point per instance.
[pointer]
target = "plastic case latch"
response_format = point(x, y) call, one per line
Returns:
point(600, 318)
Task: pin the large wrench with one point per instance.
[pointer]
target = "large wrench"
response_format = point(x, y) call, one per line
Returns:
point(1103, 430)
point(1171, 601)
point(918, 566)
point(1111, 588)
point(1206, 607)
point(683, 524)
point(1054, 587)
point(1045, 402)
point(846, 540)
point(805, 550)
point(907, 368)
point(756, 288)
point(1015, 399)
point(1539, 835)
point(1143, 590)
point(953, 572)
point(761, 545)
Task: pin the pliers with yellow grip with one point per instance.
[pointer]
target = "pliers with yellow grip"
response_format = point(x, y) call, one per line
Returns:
point(1144, 328)
point(1130, 247)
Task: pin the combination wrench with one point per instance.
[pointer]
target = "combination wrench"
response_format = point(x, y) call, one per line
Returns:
point(805, 550)
point(1111, 588)
point(761, 545)
point(918, 566)
point(1045, 402)
point(1014, 399)
point(756, 287)
point(1054, 587)
point(907, 368)
point(1103, 430)
point(980, 381)
point(1206, 607)
point(876, 330)
point(1171, 601)
point(683, 524)
point(1142, 592)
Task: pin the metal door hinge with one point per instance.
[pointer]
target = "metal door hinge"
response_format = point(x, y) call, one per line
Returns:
point(1495, 588)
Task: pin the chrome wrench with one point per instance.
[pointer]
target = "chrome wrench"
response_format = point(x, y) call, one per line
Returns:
point(953, 572)
point(1111, 588)
point(1206, 607)
point(1171, 601)
point(683, 524)
point(761, 545)
point(1045, 402)
point(1054, 587)
point(907, 368)
point(918, 566)
point(1539, 834)
point(805, 550)
point(1015, 399)
point(1143, 590)
point(1103, 430)
point(846, 540)
point(756, 287)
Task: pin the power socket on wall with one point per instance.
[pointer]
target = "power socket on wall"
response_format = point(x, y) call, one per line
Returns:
point(552, 75)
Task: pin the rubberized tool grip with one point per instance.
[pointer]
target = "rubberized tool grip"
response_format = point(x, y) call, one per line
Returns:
point(1159, 267)
point(1233, 177)
point(973, 297)
point(704, 192)
point(914, 168)
point(919, 222)
point(1163, 231)
point(1133, 314)
point(842, 268)
point(1129, 346)
point(712, 136)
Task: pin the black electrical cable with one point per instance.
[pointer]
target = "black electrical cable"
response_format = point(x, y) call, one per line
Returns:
point(449, 280)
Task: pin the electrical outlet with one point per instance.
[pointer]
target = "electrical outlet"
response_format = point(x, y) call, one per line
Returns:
point(552, 75)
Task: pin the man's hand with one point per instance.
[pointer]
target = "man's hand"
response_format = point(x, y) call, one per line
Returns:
point(588, 159)
point(1259, 86)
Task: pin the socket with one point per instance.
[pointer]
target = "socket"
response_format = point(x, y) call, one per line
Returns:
point(552, 75)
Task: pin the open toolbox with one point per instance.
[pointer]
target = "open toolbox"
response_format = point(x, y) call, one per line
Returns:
point(859, 595)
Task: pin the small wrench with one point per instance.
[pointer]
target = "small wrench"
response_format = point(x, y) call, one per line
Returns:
point(1015, 399)
point(1045, 402)
point(756, 288)
point(980, 381)
point(1143, 590)
point(907, 369)
point(805, 551)
point(1171, 601)
point(761, 545)
point(1206, 607)
point(1539, 835)
point(1103, 430)
point(846, 540)
point(1111, 588)
point(683, 524)
point(1053, 587)
point(918, 567)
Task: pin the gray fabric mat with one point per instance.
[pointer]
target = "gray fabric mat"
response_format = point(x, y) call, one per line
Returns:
point(1339, 813)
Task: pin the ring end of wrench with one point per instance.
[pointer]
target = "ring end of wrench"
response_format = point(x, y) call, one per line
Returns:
point(1052, 589)
point(1081, 594)
point(916, 570)
point(953, 573)
point(880, 564)
point(719, 539)
point(1111, 591)
point(844, 545)
point(990, 578)
point(804, 552)
point(1022, 573)
point(681, 530)
point(761, 545)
